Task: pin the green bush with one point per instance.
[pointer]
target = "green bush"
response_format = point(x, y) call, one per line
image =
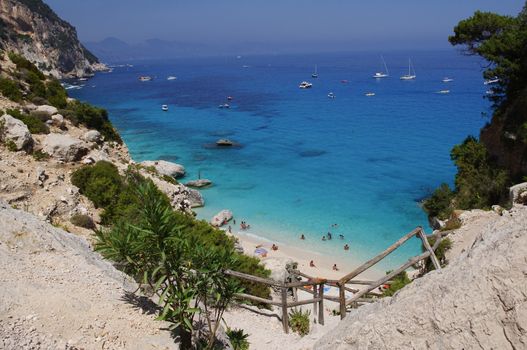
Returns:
point(238, 338)
point(34, 124)
point(22, 63)
point(82, 220)
point(11, 146)
point(440, 252)
point(399, 282)
point(299, 321)
point(10, 89)
point(93, 118)
point(40, 155)
point(440, 203)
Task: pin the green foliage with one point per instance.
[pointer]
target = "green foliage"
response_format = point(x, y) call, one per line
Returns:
point(169, 179)
point(185, 274)
point(399, 282)
point(34, 124)
point(238, 338)
point(40, 155)
point(22, 63)
point(10, 89)
point(93, 118)
point(440, 203)
point(440, 252)
point(56, 94)
point(83, 220)
point(299, 321)
point(11, 146)
point(452, 224)
point(479, 183)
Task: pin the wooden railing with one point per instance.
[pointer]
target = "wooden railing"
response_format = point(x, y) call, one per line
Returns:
point(346, 283)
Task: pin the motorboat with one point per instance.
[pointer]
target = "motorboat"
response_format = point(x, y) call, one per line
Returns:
point(145, 78)
point(491, 81)
point(447, 80)
point(331, 95)
point(411, 72)
point(383, 74)
point(443, 92)
point(344, 81)
point(224, 105)
point(369, 94)
point(164, 107)
point(315, 74)
point(171, 78)
point(305, 85)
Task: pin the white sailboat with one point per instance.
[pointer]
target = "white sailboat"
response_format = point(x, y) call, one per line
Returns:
point(385, 74)
point(409, 76)
point(315, 74)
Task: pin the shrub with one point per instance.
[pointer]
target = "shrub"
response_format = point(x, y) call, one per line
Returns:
point(11, 146)
point(41, 115)
point(56, 94)
point(238, 338)
point(22, 63)
point(40, 155)
point(169, 179)
point(299, 321)
point(440, 252)
point(93, 118)
point(10, 89)
point(37, 100)
point(82, 220)
point(34, 124)
point(399, 282)
point(440, 203)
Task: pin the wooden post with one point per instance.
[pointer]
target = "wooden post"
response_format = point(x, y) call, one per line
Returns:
point(321, 304)
point(315, 295)
point(285, 316)
point(342, 300)
point(426, 244)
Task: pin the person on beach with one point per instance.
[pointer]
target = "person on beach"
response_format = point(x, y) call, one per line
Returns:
point(341, 236)
point(274, 247)
point(323, 238)
point(335, 268)
point(302, 236)
point(234, 221)
point(329, 235)
point(346, 247)
point(311, 264)
point(230, 229)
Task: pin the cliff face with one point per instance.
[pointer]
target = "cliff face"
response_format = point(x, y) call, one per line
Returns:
point(31, 29)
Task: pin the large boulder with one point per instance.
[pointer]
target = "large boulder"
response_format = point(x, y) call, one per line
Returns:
point(15, 131)
point(92, 136)
point(517, 191)
point(278, 268)
point(49, 110)
point(199, 183)
point(64, 147)
point(57, 120)
point(165, 168)
point(195, 198)
point(221, 218)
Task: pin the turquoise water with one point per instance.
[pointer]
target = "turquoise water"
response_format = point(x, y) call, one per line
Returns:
point(305, 161)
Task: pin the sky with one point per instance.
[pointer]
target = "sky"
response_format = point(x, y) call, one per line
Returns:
point(343, 25)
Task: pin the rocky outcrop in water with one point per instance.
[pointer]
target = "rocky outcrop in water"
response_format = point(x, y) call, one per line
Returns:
point(31, 29)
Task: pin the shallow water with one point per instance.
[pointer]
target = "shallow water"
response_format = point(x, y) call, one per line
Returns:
point(305, 161)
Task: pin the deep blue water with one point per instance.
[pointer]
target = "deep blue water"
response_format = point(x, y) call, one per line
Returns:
point(305, 161)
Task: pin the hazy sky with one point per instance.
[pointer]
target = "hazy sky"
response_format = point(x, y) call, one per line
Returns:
point(342, 24)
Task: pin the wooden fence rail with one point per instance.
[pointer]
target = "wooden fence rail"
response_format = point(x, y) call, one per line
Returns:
point(360, 296)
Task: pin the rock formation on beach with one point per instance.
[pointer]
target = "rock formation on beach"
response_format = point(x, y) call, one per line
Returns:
point(31, 29)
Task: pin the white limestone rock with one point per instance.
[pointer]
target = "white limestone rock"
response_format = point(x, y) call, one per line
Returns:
point(49, 110)
point(165, 168)
point(64, 147)
point(14, 130)
point(221, 218)
point(92, 136)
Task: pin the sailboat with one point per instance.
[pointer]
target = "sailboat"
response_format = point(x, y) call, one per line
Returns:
point(315, 74)
point(384, 74)
point(409, 76)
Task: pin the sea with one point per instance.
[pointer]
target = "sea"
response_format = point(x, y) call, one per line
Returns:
point(304, 163)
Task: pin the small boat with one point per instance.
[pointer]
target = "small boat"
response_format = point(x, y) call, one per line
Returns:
point(331, 95)
point(229, 98)
point(224, 105)
point(344, 81)
point(489, 92)
point(409, 76)
point(384, 74)
point(145, 78)
point(491, 81)
point(370, 94)
point(164, 108)
point(315, 74)
point(171, 78)
point(245, 66)
point(83, 79)
point(305, 85)
point(447, 80)
point(224, 142)
point(443, 92)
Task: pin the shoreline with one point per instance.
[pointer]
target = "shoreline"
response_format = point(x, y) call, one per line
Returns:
point(323, 264)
